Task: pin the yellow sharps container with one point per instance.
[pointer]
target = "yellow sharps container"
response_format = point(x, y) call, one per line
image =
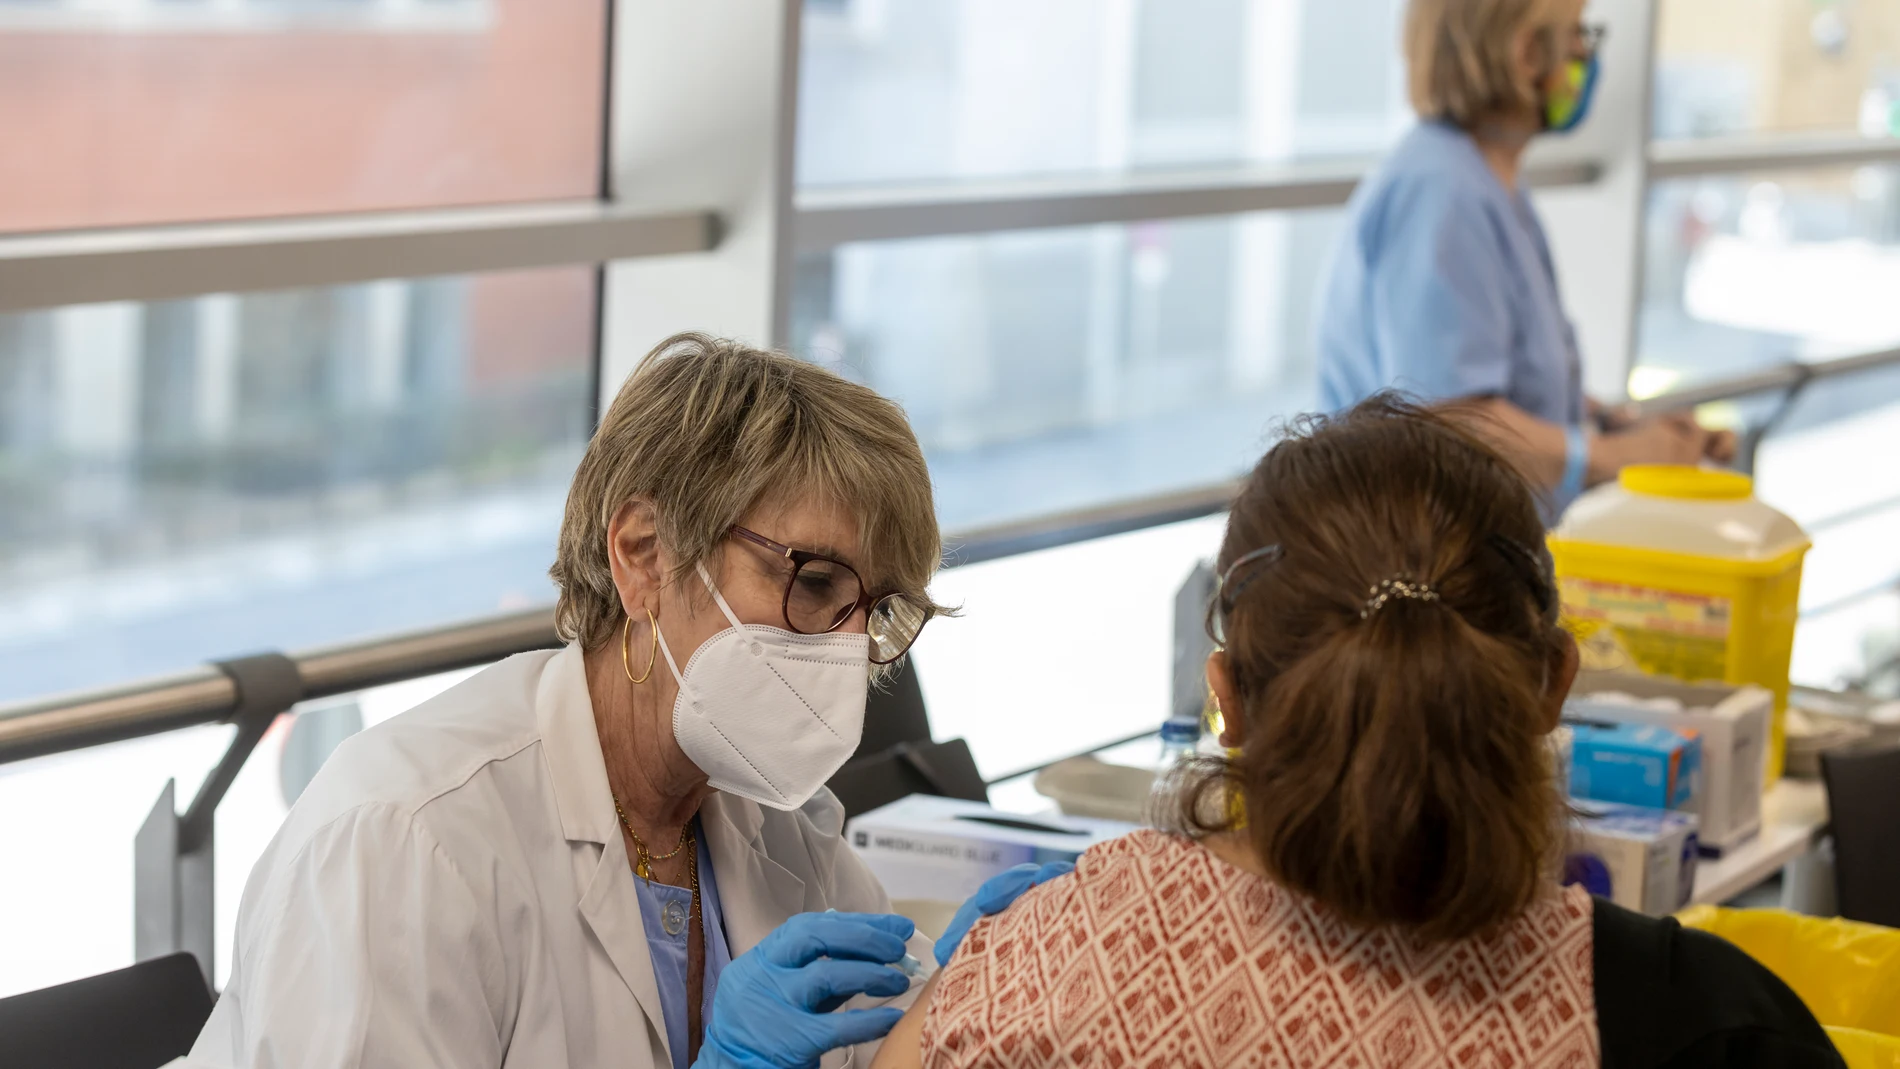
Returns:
point(1679, 571)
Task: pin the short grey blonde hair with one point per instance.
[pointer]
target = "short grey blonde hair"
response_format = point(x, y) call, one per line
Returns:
point(1458, 56)
point(708, 429)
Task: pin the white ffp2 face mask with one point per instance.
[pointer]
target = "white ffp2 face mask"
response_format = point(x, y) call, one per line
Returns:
point(769, 714)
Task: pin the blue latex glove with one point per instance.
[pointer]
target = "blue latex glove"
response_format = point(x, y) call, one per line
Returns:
point(774, 1002)
point(997, 894)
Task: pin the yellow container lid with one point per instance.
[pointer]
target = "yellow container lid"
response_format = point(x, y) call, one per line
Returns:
point(1696, 512)
point(1682, 481)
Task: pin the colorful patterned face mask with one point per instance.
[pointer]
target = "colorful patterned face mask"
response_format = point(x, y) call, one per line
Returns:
point(1565, 109)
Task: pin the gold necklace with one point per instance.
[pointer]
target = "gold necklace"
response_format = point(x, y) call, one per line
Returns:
point(644, 858)
point(695, 1027)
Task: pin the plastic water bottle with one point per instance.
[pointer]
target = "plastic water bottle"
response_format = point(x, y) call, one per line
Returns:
point(1179, 737)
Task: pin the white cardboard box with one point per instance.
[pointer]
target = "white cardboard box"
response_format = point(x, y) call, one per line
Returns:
point(1733, 724)
point(942, 849)
point(1646, 856)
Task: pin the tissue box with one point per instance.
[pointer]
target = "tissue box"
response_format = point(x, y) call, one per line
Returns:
point(1641, 859)
point(942, 849)
point(1634, 764)
point(1732, 722)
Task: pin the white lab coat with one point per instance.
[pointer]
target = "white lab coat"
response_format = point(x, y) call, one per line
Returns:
point(452, 890)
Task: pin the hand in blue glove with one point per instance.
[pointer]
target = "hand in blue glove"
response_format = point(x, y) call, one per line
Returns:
point(773, 1007)
point(997, 894)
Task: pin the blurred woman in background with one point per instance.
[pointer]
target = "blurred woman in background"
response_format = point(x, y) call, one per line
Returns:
point(1443, 285)
point(1372, 880)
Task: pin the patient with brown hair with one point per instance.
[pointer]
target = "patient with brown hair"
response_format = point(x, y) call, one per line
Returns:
point(1372, 880)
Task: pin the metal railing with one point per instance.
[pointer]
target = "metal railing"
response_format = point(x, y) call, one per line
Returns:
point(165, 262)
point(173, 852)
point(828, 218)
point(1791, 380)
point(209, 695)
point(1746, 153)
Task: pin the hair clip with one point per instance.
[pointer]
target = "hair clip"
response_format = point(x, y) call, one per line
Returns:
point(1388, 589)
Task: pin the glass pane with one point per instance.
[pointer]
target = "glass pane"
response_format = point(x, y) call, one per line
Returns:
point(894, 90)
point(1113, 643)
point(1740, 66)
point(1748, 271)
point(1745, 271)
point(142, 111)
point(203, 478)
point(1829, 473)
point(1052, 370)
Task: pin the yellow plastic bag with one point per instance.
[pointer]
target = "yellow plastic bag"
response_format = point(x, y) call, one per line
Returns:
point(1866, 1050)
point(1847, 973)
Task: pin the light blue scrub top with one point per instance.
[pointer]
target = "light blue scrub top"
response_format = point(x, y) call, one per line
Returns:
point(668, 948)
point(1442, 286)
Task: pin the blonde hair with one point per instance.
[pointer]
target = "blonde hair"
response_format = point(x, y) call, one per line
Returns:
point(1459, 57)
point(708, 429)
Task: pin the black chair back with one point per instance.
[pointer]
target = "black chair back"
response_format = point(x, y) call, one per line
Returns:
point(894, 713)
point(940, 768)
point(1863, 799)
point(135, 1018)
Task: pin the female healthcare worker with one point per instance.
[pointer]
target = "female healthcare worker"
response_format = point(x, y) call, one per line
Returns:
point(575, 858)
point(1443, 285)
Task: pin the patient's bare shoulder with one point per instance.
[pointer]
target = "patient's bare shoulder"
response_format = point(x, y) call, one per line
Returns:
point(903, 1048)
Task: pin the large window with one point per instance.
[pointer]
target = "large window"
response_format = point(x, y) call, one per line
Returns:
point(1777, 66)
point(1050, 370)
point(210, 477)
point(1748, 270)
point(894, 90)
point(1774, 236)
point(151, 111)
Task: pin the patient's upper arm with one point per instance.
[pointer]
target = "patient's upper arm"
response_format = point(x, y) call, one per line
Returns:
point(903, 1048)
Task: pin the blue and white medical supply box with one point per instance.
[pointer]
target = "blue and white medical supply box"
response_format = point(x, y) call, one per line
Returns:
point(1731, 722)
point(942, 849)
point(1641, 859)
point(1634, 764)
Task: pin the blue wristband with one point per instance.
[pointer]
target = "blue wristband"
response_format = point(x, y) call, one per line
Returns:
point(1576, 459)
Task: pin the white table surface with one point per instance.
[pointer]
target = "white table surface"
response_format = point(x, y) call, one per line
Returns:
point(1793, 812)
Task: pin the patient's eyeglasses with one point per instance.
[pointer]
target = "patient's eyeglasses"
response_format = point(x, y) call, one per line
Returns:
point(821, 593)
point(1227, 589)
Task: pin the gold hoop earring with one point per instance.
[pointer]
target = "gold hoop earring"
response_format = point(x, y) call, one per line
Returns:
point(626, 632)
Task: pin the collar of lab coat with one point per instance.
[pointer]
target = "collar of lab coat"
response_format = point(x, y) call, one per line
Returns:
point(756, 893)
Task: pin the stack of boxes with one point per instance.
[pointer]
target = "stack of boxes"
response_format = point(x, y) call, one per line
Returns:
point(1660, 773)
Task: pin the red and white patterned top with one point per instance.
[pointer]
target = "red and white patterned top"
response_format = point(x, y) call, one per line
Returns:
point(1157, 953)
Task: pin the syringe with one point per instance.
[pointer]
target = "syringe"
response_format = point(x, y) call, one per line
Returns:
point(908, 964)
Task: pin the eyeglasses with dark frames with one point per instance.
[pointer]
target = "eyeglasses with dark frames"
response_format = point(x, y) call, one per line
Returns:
point(821, 593)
